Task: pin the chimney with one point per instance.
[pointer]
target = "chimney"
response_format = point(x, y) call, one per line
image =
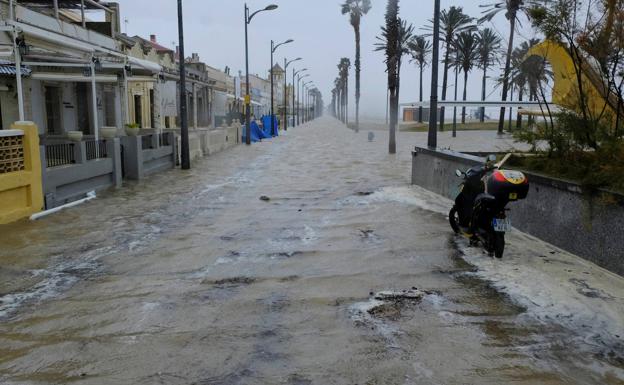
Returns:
point(153, 38)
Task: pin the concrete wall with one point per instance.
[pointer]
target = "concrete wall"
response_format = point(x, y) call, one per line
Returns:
point(139, 163)
point(69, 183)
point(558, 212)
point(20, 172)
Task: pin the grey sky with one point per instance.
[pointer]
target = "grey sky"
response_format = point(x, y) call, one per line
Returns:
point(214, 29)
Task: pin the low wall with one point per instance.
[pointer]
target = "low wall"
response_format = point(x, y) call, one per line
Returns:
point(144, 155)
point(67, 183)
point(556, 211)
point(20, 172)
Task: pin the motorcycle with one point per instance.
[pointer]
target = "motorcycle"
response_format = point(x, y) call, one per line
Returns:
point(480, 210)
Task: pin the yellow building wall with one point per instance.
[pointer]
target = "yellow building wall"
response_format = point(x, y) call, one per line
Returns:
point(21, 192)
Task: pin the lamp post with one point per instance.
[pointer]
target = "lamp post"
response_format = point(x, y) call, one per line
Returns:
point(432, 140)
point(299, 94)
point(273, 49)
point(295, 92)
point(248, 18)
point(305, 104)
point(286, 64)
point(185, 149)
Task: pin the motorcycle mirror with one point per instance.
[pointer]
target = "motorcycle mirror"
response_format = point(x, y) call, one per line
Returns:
point(491, 158)
point(458, 173)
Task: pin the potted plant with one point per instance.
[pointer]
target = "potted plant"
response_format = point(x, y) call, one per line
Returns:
point(132, 129)
point(75, 136)
point(108, 132)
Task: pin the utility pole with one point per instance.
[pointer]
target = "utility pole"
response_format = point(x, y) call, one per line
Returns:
point(432, 140)
point(185, 150)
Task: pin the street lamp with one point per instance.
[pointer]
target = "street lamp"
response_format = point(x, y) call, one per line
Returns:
point(300, 94)
point(273, 49)
point(185, 149)
point(248, 18)
point(295, 109)
point(286, 64)
point(305, 84)
point(432, 140)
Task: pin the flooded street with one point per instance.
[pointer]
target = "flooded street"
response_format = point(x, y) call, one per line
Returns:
point(192, 278)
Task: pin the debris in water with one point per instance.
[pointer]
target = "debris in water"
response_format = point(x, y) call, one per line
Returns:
point(265, 198)
point(405, 295)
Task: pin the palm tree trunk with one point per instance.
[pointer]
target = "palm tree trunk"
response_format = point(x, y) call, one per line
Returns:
point(482, 117)
point(357, 77)
point(519, 117)
point(512, 24)
point(455, 108)
point(398, 87)
point(465, 89)
point(394, 103)
point(444, 84)
point(420, 109)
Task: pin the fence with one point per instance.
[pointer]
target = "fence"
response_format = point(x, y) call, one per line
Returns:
point(96, 149)
point(147, 142)
point(60, 154)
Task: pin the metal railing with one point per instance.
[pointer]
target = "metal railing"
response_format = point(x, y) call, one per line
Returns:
point(60, 154)
point(165, 139)
point(146, 142)
point(96, 149)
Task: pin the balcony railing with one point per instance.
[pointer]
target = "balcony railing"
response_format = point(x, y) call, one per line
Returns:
point(96, 149)
point(60, 154)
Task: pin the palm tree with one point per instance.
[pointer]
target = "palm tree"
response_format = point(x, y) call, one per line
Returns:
point(512, 9)
point(489, 45)
point(391, 38)
point(452, 22)
point(343, 80)
point(356, 9)
point(420, 48)
point(528, 73)
point(406, 32)
point(467, 47)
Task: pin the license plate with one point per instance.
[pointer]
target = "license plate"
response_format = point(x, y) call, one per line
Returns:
point(501, 225)
point(513, 196)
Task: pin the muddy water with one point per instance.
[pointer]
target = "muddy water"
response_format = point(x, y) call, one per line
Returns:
point(190, 278)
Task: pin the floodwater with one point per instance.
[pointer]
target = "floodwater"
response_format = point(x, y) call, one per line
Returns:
point(191, 278)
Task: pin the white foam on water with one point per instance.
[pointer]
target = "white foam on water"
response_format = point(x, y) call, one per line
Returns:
point(562, 288)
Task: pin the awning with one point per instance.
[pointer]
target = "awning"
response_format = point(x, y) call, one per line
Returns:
point(146, 64)
point(7, 68)
point(68, 77)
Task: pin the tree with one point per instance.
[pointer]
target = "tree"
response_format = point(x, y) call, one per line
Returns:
point(452, 22)
point(420, 48)
point(343, 84)
point(467, 47)
point(489, 46)
point(405, 34)
point(512, 9)
point(391, 33)
point(356, 9)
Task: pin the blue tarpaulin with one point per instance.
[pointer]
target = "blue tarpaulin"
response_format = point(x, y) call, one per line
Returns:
point(266, 122)
point(256, 133)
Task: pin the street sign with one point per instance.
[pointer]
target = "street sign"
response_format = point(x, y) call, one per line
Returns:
point(248, 99)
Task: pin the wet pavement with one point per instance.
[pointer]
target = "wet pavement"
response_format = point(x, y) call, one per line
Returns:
point(341, 274)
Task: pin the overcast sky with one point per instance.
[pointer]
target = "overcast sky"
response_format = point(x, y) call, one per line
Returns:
point(215, 30)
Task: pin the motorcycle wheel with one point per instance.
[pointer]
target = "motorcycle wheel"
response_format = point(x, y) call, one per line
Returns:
point(498, 244)
point(454, 220)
